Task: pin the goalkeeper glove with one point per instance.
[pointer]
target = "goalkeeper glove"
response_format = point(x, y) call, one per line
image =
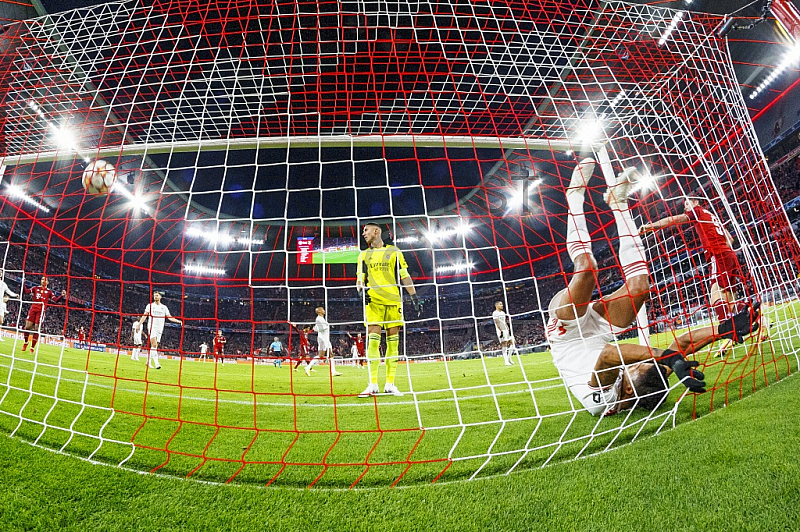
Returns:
point(367, 299)
point(417, 305)
point(690, 377)
point(742, 324)
point(684, 369)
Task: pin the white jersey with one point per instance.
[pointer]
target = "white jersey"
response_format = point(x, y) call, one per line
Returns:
point(4, 289)
point(354, 351)
point(203, 349)
point(157, 314)
point(323, 331)
point(499, 318)
point(136, 329)
point(575, 346)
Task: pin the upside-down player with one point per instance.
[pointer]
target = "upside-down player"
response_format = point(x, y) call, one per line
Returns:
point(378, 269)
point(605, 376)
point(41, 296)
point(156, 314)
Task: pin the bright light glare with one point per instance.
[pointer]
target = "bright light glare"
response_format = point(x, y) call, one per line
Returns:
point(517, 198)
point(672, 25)
point(589, 131)
point(461, 230)
point(215, 237)
point(647, 182)
point(137, 202)
point(16, 192)
point(64, 137)
point(788, 60)
point(406, 240)
point(455, 268)
point(202, 270)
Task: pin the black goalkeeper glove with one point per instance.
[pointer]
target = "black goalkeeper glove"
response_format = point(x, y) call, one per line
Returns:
point(417, 305)
point(690, 377)
point(684, 369)
point(742, 324)
point(367, 299)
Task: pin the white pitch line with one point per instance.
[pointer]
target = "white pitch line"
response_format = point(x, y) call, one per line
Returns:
point(265, 403)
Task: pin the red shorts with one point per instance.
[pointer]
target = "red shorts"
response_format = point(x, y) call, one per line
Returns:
point(726, 271)
point(34, 315)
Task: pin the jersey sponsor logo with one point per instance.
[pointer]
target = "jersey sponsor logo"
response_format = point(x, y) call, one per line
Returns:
point(555, 325)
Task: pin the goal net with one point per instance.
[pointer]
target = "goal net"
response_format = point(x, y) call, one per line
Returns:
point(253, 142)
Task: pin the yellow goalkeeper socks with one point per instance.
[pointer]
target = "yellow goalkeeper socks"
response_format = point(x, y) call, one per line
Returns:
point(374, 356)
point(392, 344)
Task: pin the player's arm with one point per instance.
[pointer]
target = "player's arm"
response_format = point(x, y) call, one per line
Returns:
point(664, 222)
point(145, 314)
point(57, 298)
point(173, 320)
point(360, 272)
point(9, 292)
point(408, 283)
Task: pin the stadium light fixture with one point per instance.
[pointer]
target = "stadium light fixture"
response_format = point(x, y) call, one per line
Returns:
point(406, 240)
point(519, 195)
point(202, 270)
point(16, 192)
point(676, 19)
point(459, 267)
point(590, 130)
point(215, 237)
point(136, 200)
point(462, 229)
point(64, 137)
point(647, 182)
point(788, 60)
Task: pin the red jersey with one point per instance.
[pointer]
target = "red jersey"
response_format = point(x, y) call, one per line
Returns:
point(359, 345)
point(41, 297)
point(219, 341)
point(303, 338)
point(711, 232)
point(81, 335)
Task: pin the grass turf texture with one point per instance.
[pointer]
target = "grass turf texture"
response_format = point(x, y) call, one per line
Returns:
point(733, 470)
point(259, 424)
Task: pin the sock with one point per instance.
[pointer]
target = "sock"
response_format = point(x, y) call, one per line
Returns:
point(504, 350)
point(26, 336)
point(298, 363)
point(392, 350)
point(578, 239)
point(333, 365)
point(34, 341)
point(314, 362)
point(631, 250)
point(374, 356)
point(135, 353)
point(154, 357)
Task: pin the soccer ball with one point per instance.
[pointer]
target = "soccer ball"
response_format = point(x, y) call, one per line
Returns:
point(99, 177)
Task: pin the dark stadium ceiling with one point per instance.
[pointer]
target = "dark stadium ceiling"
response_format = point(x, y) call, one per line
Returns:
point(755, 52)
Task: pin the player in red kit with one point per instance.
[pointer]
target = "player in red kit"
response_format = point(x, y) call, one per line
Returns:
point(219, 347)
point(81, 336)
point(304, 350)
point(726, 272)
point(40, 296)
point(358, 341)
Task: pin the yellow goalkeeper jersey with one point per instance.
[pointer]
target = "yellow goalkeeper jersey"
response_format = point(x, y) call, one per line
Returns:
point(378, 269)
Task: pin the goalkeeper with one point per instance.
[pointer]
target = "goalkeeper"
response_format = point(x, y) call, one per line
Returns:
point(605, 376)
point(379, 268)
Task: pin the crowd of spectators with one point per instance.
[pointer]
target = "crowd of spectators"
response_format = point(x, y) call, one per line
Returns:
point(787, 179)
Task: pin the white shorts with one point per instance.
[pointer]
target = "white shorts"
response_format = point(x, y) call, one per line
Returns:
point(155, 334)
point(137, 339)
point(503, 336)
point(323, 345)
point(575, 346)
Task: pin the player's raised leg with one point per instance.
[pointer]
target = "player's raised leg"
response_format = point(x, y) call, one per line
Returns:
point(572, 302)
point(620, 307)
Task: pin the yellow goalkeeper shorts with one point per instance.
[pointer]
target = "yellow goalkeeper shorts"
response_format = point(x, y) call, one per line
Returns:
point(387, 316)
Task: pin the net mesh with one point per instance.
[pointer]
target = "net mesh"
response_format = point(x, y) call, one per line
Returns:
point(258, 139)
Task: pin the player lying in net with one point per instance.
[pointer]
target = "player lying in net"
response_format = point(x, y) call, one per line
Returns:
point(604, 376)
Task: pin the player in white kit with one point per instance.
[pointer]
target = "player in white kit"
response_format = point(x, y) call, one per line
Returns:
point(605, 376)
point(156, 313)
point(323, 330)
point(5, 292)
point(204, 351)
point(136, 336)
point(502, 330)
